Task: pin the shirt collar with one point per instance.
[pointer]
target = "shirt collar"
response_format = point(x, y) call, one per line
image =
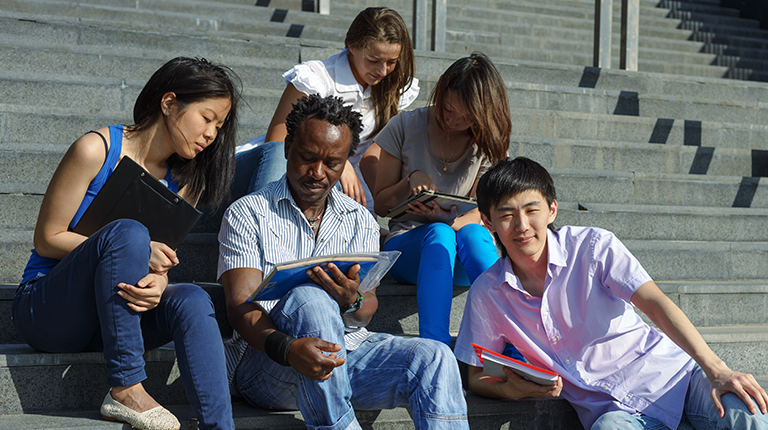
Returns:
point(336, 201)
point(345, 81)
point(555, 256)
point(555, 251)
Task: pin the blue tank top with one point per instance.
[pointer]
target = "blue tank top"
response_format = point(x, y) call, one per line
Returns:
point(38, 265)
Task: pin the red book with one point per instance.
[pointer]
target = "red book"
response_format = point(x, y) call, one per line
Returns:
point(493, 363)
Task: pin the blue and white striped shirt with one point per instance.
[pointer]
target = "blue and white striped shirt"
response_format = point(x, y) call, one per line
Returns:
point(266, 228)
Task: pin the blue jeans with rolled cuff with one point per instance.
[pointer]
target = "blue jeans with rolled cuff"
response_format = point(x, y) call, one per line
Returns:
point(384, 372)
point(75, 308)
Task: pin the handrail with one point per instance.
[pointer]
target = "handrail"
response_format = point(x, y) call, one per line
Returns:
point(630, 23)
point(439, 10)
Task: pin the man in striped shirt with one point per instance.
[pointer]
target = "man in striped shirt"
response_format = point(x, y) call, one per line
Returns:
point(310, 350)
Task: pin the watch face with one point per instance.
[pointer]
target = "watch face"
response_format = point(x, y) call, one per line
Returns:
point(354, 307)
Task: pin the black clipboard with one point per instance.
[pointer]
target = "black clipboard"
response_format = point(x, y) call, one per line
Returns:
point(132, 193)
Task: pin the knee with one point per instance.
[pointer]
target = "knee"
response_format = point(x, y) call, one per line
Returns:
point(471, 232)
point(311, 305)
point(189, 301)
point(738, 416)
point(614, 420)
point(438, 233)
point(127, 235)
point(434, 361)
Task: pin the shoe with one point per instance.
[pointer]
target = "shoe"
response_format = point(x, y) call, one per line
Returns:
point(157, 418)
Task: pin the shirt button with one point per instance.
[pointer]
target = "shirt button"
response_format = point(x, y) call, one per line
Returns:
point(567, 361)
point(545, 313)
point(585, 380)
point(605, 387)
point(554, 339)
point(626, 399)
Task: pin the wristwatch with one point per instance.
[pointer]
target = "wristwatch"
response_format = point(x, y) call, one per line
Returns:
point(354, 307)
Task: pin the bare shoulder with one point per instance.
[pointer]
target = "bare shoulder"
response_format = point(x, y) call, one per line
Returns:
point(88, 152)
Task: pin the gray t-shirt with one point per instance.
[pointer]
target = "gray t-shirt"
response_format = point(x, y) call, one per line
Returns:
point(405, 138)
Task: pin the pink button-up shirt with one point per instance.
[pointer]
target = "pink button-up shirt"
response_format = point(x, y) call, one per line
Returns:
point(583, 328)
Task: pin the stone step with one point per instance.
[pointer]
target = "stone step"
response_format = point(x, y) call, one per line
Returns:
point(86, 40)
point(668, 223)
point(626, 125)
point(75, 381)
point(706, 303)
point(73, 36)
point(26, 174)
point(89, 94)
point(509, 44)
point(626, 188)
point(536, 414)
point(638, 157)
point(527, 414)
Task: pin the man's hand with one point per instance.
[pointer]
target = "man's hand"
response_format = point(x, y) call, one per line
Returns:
point(516, 387)
point(306, 356)
point(163, 258)
point(743, 385)
point(433, 212)
point(343, 289)
point(146, 294)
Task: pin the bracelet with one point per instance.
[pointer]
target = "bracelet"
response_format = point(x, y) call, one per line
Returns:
point(408, 178)
point(276, 347)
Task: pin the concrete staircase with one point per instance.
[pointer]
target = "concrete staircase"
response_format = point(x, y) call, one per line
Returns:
point(669, 158)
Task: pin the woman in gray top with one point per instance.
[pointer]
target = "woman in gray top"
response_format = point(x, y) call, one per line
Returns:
point(444, 147)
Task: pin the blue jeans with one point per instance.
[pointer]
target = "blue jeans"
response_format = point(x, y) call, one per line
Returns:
point(257, 166)
point(699, 412)
point(76, 308)
point(428, 259)
point(384, 372)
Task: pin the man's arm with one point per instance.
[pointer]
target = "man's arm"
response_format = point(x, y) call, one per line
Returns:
point(515, 387)
point(254, 324)
point(673, 322)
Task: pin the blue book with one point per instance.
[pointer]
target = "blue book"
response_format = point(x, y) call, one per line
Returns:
point(373, 267)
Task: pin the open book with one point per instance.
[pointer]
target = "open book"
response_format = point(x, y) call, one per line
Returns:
point(493, 363)
point(373, 267)
point(463, 205)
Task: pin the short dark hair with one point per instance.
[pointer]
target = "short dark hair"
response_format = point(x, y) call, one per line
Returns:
point(330, 109)
point(509, 178)
point(194, 80)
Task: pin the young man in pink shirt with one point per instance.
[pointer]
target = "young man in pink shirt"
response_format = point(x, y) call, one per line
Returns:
point(564, 298)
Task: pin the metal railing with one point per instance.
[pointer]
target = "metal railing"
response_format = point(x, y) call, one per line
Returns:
point(420, 24)
point(630, 24)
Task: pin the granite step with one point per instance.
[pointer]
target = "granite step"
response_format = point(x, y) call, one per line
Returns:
point(525, 414)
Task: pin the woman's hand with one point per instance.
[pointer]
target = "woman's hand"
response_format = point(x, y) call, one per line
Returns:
point(420, 181)
point(163, 258)
point(351, 184)
point(433, 212)
point(146, 294)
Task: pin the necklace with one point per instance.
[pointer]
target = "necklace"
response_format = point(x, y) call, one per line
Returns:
point(315, 219)
point(442, 156)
